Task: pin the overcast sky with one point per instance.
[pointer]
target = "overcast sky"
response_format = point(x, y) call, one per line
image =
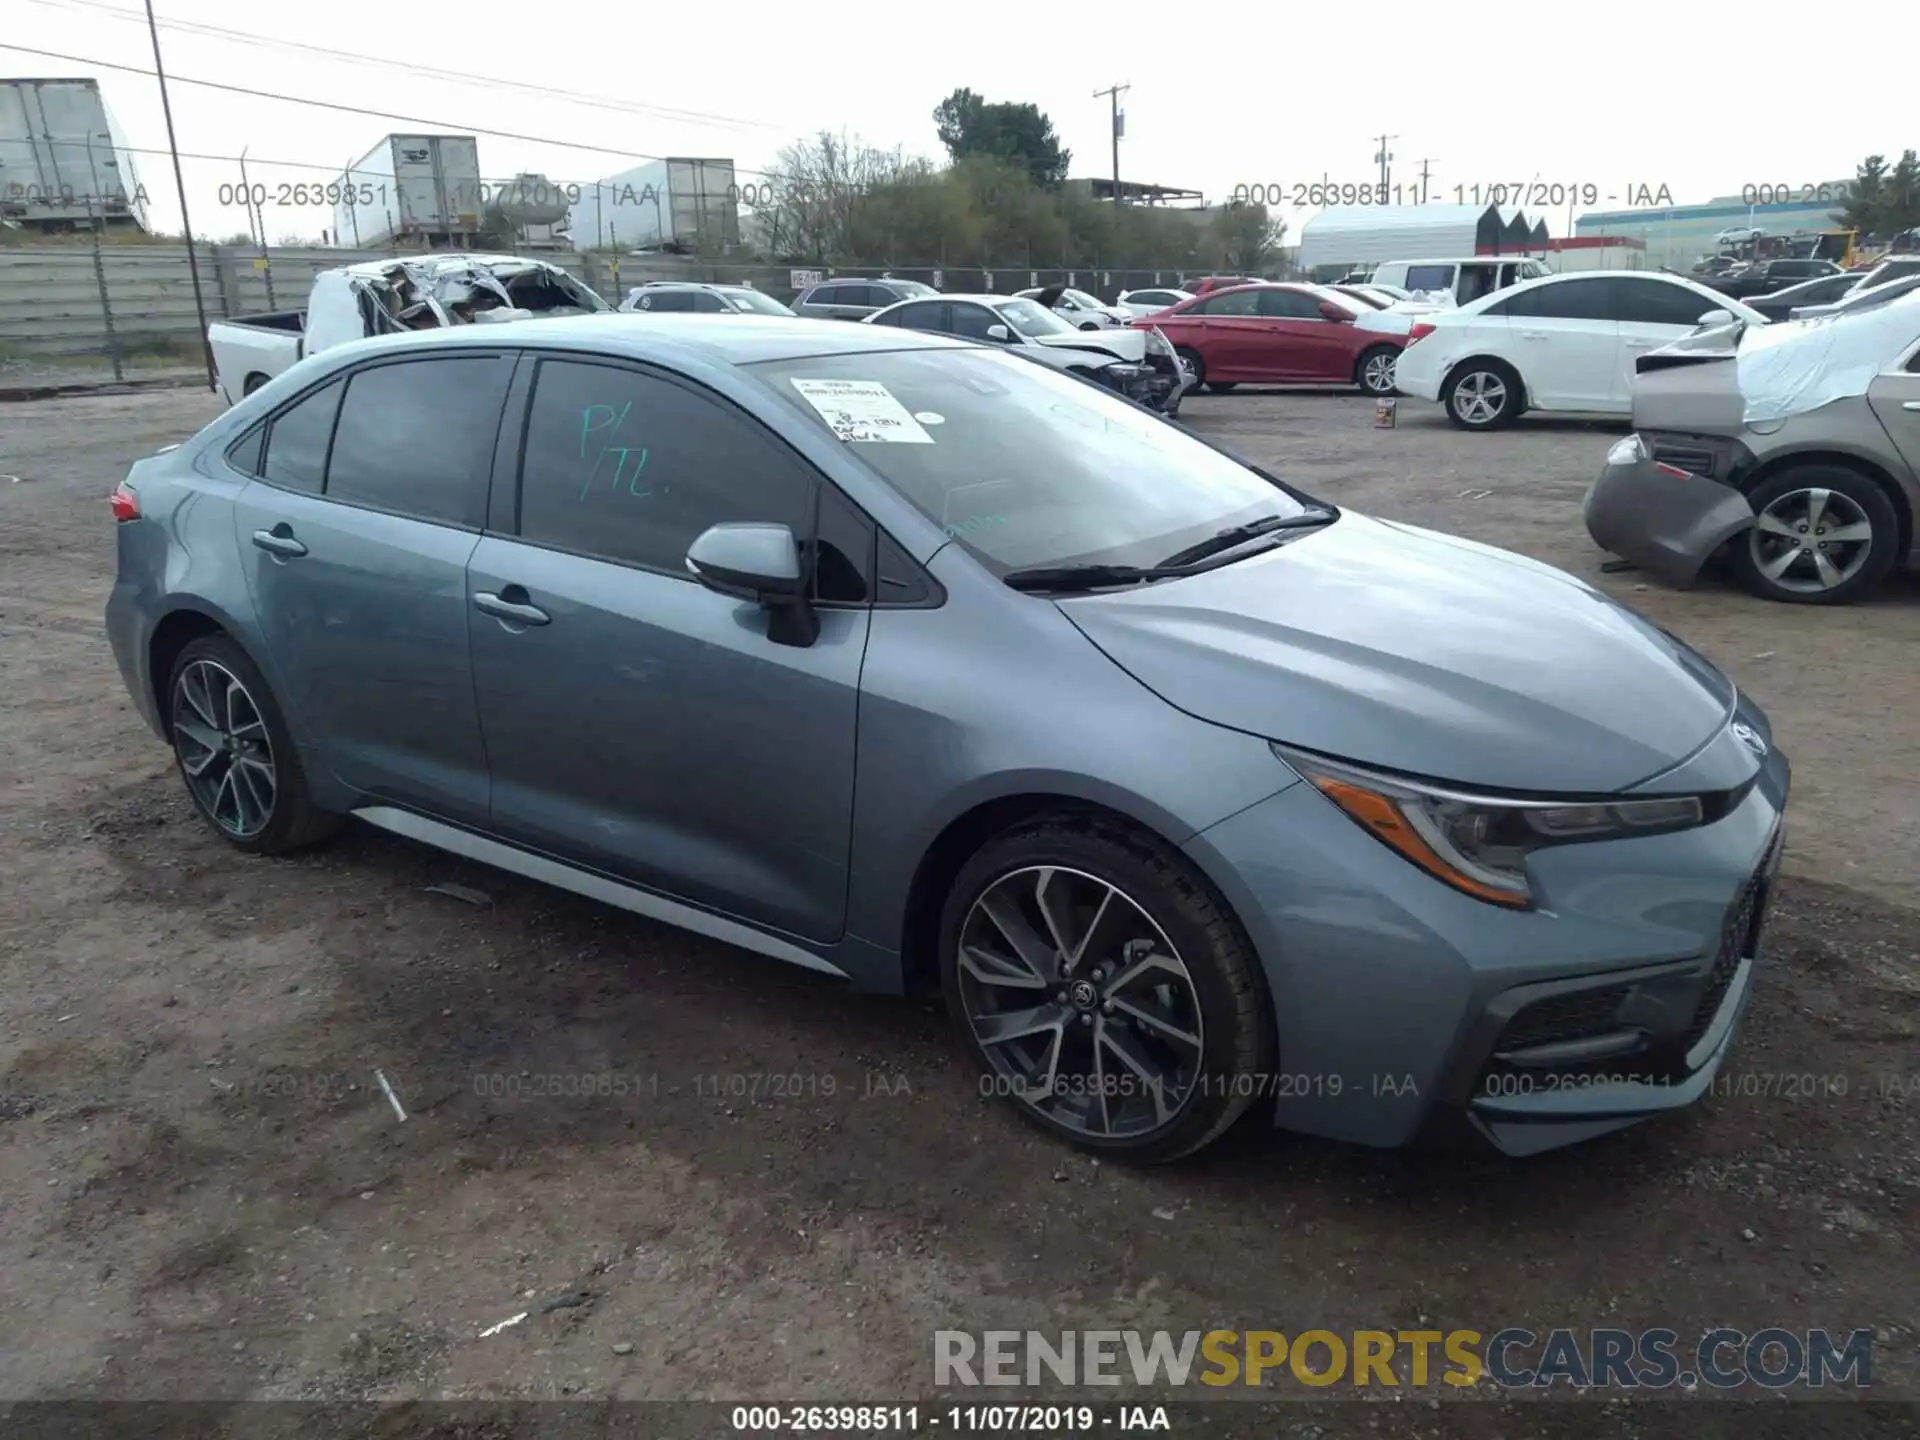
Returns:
point(1635, 94)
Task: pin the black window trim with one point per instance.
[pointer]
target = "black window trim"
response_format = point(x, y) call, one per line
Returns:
point(266, 423)
point(515, 475)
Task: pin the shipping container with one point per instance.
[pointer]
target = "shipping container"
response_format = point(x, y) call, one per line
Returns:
point(63, 162)
point(678, 203)
point(412, 191)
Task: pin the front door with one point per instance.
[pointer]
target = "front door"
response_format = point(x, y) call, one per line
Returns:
point(356, 536)
point(1564, 343)
point(1650, 313)
point(1299, 343)
point(637, 722)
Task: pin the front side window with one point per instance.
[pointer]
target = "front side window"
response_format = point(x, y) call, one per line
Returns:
point(1021, 464)
point(1287, 305)
point(972, 322)
point(297, 440)
point(1657, 302)
point(417, 438)
point(930, 315)
point(624, 465)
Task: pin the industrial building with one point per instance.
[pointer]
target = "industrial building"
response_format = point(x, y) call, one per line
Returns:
point(1342, 237)
point(1677, 236)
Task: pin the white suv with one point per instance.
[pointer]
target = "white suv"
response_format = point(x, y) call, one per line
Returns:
point(1466, 280)
point(1565, 343)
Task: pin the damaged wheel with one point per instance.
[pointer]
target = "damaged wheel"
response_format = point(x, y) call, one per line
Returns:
point(1822, 535)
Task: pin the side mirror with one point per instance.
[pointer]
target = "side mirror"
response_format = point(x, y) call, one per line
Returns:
point(1331, 311)
point(758, 562)
point(999, 332)
point(1717, 317)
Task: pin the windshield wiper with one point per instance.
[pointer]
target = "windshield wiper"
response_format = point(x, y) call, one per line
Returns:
point(1223, 540)
point(1085, 577)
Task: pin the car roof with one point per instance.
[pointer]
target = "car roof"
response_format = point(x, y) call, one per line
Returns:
point(726, 339)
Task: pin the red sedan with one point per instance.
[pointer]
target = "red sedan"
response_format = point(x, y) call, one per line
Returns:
point(1279, 334)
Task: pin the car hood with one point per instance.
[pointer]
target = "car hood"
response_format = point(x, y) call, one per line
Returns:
point(1126, 344)
point(1421, 653)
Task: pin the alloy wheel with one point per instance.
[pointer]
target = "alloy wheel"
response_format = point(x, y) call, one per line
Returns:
point(224, 749)
point(1811, 540)
point(1082, 1005)
point(1377, 374)
point(1480, 397)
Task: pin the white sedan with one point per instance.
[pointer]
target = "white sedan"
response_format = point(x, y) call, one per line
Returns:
point(1150, 302)
point(1078, 308)
point(1566, 343)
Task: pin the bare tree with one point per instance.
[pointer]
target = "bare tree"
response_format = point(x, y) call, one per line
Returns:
point(818, 187)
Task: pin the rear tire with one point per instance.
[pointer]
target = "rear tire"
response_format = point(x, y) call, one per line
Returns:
point(1779, 558)
point(241, 767)
point(1373, 371)
point(253, 383)
point(1483, 395)
point(1155, 1042)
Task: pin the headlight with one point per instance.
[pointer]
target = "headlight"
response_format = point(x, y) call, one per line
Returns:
point(1480, 843)
point(1630, 451)
point(1157, 342)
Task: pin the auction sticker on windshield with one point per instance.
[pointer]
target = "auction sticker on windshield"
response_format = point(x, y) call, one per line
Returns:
point(862, 410)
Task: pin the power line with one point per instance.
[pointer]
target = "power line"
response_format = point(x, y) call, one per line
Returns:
point(437, 125)
point(252, 39)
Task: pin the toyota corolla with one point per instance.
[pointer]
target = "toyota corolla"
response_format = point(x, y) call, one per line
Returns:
point(903, 660)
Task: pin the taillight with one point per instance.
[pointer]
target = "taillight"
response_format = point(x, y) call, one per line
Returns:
point(126, 504)
point(1420, 331)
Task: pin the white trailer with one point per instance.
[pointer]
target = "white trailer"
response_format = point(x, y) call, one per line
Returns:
point(677, 203)
point(63, 163)
point(412, 190)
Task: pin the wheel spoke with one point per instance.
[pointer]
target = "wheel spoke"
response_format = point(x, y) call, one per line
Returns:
point(205, 736)
point(1129, 1054)
point(256, 785)
point(1034, 952)
point(1817, 507)
point(193, 689)
point(991, 969)
point(1159, 1022)
point(1845, 534)
point(1830, 575)
point(225, 792)
point(1092, 932)
point(1144, 965)
point(1772, 524)
point(1055, 907)
point(1018, 1024)
point(1774, 568)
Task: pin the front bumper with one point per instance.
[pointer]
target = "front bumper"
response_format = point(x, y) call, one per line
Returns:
point(1408, 1013)
point(1667, 523)
point(1158, 386)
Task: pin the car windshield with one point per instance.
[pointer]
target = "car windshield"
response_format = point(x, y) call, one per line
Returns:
point(1025, 466)
point(1032, 319)
point(912, 289)
point(1083, 299)
point(753, 302)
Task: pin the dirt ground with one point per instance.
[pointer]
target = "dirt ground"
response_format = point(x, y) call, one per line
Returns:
point(204, 1194)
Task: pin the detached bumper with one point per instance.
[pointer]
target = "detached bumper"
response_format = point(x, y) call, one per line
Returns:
point(1667, 521)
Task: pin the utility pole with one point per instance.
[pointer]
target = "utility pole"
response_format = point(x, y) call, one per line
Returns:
point(180, 184)
point(1425, 160)
point(1113, 93)
point(1383, 157)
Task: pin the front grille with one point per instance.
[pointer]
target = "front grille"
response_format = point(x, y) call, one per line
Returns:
point(1739, 937)
point(1563, 1017)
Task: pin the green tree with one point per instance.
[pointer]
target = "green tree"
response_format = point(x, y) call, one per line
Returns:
point(1901, 208)
point(1864, 207)
point(971, 127)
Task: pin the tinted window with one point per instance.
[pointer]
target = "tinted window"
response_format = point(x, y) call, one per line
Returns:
point(244, 454)
point(1655, 302)
point(887, 317)
point(972, 321)
point(1230, 302)
point(658, 300)
point(1429, 277)
point(1563, 300)
point(707, 303)
point(631, 467)
point(929, 316)
point(417, 438)
point(1287, 305)
point(865, 295)
point(297, 441)
point(846, 551)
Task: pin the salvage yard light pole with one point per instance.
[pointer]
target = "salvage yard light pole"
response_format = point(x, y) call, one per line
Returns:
point(180, 184)
point(1114, 92)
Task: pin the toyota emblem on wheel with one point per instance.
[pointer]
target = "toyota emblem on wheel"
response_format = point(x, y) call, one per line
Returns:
point(1084, 994)
point(1749, 737)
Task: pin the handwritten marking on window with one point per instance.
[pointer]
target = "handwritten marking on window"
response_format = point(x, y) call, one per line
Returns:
point(605, 421)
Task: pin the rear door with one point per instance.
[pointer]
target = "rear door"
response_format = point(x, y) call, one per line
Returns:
point(1564, 342)
point(1231, 338)
point(368, 500)
point(1651, 312)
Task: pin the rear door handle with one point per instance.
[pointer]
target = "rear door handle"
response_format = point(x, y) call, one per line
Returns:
point(279, 541)
point(511, 605)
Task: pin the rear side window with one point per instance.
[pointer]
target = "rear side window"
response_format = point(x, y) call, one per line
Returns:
point(417, 438)
point(658, 300)
point(245, 453)
point(297, 440)
point(1429, 277)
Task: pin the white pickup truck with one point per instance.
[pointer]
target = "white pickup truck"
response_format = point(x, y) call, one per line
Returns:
point(378, 297)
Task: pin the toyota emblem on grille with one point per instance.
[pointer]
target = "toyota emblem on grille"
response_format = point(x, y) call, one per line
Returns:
point(1749, 737)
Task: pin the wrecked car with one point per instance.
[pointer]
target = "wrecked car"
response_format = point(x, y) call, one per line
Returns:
point(1791, 451)
point(381, 297)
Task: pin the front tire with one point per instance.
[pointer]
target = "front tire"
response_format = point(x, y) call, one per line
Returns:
point(1104, 989)
point(1822, 535)
point(235, 753)
point(1482, 395)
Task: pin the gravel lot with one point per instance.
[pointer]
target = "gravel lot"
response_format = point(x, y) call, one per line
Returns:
point(203, 1194)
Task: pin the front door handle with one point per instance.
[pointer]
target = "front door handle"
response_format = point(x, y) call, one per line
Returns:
point(1641, 344)
point(511, 605)
point(1910, 405)
point(1533, 334)
point(279, 541)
